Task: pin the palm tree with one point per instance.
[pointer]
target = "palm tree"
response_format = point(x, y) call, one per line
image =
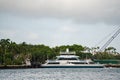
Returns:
point(4, 43)
point(111, 50)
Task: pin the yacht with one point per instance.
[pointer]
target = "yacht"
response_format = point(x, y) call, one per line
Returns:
point(68, 59)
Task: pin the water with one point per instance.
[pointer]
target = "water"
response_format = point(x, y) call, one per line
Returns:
point(61, 74)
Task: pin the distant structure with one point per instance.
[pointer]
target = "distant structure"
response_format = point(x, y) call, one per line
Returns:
point(27, 61)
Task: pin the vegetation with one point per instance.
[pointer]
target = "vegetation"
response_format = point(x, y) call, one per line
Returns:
point(12, 53)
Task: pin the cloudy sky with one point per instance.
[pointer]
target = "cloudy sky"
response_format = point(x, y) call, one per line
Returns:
point(60, 22)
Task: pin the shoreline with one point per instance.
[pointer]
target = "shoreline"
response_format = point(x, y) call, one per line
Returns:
point(16, 67)
point(112, 65)
point(38, 66)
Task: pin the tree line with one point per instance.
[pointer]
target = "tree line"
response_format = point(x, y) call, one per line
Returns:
point(12, 53)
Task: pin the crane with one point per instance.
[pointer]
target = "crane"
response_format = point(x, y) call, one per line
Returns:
point(110, 40)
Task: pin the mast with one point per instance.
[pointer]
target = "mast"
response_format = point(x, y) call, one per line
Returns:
point(110, 40)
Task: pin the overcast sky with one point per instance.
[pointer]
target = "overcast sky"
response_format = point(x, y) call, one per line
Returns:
point(60, 22)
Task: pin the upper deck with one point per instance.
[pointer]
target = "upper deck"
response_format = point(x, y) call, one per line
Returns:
point(67, 55)
point(67, 52)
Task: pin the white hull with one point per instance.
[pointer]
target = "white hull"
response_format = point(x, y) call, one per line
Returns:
point(72, 66)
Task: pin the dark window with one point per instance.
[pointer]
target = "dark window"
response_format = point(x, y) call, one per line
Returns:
point(79, 62)
point(67, 59)
point(53, 63)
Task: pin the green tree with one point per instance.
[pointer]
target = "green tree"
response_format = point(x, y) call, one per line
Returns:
point(103, 55)
point(4, 43)
point(42, 53)
point(117, 56)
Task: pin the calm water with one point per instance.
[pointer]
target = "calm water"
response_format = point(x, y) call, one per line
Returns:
point(61, 74)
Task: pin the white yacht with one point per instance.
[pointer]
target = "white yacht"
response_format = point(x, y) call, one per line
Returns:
point(70, 60)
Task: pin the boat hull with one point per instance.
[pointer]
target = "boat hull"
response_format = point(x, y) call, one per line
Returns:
point(73, 66)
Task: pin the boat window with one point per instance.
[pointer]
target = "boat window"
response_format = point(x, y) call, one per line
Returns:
point(53, 63)
point(79, 63)
point(67, 59)
point(67, 54)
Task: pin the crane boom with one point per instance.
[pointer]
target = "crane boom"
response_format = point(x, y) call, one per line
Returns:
point(110, 40)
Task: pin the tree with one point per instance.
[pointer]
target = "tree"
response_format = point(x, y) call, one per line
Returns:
point(117, 56)
point(111, 50)
point(41, 53)
point(4, 43)
point(103, 55)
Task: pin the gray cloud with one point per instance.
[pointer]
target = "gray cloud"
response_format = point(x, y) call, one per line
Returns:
point(81, 11)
